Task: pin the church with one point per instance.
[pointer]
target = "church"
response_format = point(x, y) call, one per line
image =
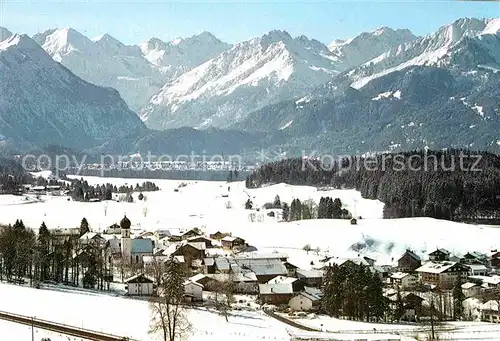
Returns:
point(127, 249)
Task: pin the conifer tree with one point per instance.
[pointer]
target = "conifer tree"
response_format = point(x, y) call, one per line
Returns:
point(84, 226)
point(458, 300)
point(286, 212)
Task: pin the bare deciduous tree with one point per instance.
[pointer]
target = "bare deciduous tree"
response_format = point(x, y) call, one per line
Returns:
point(168, 309)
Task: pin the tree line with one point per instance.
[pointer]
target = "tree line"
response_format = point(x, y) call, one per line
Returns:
point(49, 257)
point(459, 185)
point(328, 208)
point(82, 191)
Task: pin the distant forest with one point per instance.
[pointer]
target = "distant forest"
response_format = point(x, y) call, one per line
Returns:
point(458, 185)
point(12, 176)
point(201, 175)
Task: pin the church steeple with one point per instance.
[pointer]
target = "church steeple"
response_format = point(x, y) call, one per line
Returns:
point(125, 223)
point(126, 242)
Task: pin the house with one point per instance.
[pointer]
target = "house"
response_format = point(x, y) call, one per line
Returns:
point(292, 269)
point(297, 285)
point(474, 258)
point(200, 278)
point(229, 243)
point(439, 255)
point(275, 294)
point(490, 311)
point(305, 301)
point(477, 269)
point(487, 282)
point(62, 234)
point(190, 234)
point(354, 221)
point(209, 264)
point(193, 291)
point(404, 280)
point(191, 251)
point(201, 239)
point(408, 262)
point(471, 289)
point(412, 307)
point(442, 274)
point(218, 235)
point(264, 269)
point(312, 278)
point(494, 259)
point(139, 285)
point(246, 282)
point(92, 238)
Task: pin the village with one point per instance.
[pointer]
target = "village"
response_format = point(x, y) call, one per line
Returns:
point(270, 280)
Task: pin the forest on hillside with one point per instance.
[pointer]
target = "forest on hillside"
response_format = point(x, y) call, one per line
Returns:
point(458, 185)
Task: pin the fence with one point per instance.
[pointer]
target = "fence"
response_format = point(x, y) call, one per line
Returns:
point(61, 328)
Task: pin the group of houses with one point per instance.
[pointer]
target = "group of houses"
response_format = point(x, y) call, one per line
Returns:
point(220, 257)
point(476, 272)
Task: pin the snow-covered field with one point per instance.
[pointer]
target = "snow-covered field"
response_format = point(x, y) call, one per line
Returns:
point(201, 204)
point(16, 332)
point(124, 317)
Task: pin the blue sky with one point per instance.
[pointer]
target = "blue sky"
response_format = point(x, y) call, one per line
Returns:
point(232, 21)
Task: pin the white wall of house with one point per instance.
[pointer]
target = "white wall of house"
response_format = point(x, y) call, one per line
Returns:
point(471, 292)
point(409, 281)
point(300, 303)
point(194, 290)
point(140, 288)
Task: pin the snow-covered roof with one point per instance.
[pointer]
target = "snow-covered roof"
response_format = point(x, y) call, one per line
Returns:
point(248, 276)
point(197, 277)
point(476, 267)
point(399, 275)
point(281, 288)
point(139, 278)
point(263, 266)
point(436, 267)
point(259, 255)
point(209, 261)
point(198, 245)
point(189, 282)
point(438, 251)
point(310, 273)
point(282, 279)
point(491, 305)
point(311, 297)
point(411, 254)
point(468, 285)
point(493, 280)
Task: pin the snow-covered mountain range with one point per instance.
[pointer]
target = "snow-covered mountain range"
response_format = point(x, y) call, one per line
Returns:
point(137, 72)
point(43, 103)
point(368, 45)
point(437, 49)
point(250, 75)
point(258, 72)
point(289, 88)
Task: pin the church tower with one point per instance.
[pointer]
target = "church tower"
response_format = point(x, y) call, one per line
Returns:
point(126, 241)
